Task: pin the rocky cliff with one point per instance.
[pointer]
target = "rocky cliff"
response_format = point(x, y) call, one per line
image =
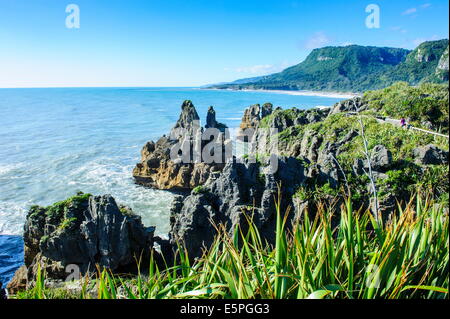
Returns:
point(320, 159)
point(443, 67)
point(158, 167)
point(81, 233)
point(254, 114)
point(306, 159)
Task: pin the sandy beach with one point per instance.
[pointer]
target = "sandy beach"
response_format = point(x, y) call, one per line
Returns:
point(304, 93)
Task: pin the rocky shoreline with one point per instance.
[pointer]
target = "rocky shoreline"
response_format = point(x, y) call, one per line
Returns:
point(94, 231)
point(156, 168)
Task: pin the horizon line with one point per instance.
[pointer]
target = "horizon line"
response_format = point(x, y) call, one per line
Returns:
point(99, 87)
point(211, 84)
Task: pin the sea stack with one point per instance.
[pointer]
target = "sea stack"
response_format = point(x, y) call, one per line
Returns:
point(158, 170)
point(82, 232)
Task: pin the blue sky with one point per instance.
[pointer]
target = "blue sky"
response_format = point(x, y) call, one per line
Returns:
point(195, 42)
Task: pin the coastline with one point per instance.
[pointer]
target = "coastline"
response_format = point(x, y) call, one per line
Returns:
point(194, 204)
point(348, 95)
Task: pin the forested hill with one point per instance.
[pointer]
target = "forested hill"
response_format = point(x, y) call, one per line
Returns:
point(357, 68)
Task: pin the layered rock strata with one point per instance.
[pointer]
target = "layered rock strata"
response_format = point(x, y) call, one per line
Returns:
point(161, 166)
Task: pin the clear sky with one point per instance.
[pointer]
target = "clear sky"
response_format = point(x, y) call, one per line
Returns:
point(192, 42)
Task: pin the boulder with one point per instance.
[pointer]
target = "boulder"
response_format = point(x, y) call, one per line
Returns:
point(19, 281)
point(380, 159)
point(356, 104)
point(430, 155)
point(84, 231)
point(428, 125)
point(266, 110)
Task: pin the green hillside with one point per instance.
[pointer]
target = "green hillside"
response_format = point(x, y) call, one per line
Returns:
point(420, 65)
point(357, 68)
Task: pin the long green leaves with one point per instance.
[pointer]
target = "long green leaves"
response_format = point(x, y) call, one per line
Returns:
point(406, 257)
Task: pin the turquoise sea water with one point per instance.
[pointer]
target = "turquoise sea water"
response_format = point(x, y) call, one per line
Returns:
point(55, 142)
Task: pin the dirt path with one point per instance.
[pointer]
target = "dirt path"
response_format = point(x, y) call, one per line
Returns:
point(398, 123)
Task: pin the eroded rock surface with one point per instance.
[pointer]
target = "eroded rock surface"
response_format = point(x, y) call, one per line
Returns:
point(356, 104)
point(242, 189)
point(211, 121)
point(308, 162)
point(83, 231)
point(158, 167)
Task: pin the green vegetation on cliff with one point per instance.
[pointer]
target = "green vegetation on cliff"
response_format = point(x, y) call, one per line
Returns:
point(421, 65)
point(405, 258)
point(423, 104)
point(357, 68)
point(403, 174)
point(328, 242)
point(58, 211)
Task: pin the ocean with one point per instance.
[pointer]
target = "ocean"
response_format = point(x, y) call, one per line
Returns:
point(55, 142)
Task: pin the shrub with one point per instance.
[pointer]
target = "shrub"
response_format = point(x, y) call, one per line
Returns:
point(405, 258)
point(199, 190)
point(426, 102)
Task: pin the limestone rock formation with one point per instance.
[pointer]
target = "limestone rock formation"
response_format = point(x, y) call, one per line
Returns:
point(266, 110)
point(310, 145)
point(283, 120)
point(430, 155)
point(157, 170)
point(84, 231)
point(309, 172)
point(443, 66)
point(424, 56)
point(158, 167)
point(3, 295)
point(251, 117)
point(254, 114)
point(443, 62)
point(356, 104)
point(211, 121)
point(189, 119)
point(244, 188)
point(211, 118)
point(380, 160)
point(19, 281)
point(319, 152)
point(265, 126)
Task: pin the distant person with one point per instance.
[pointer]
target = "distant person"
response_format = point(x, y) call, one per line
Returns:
point(403, 122)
